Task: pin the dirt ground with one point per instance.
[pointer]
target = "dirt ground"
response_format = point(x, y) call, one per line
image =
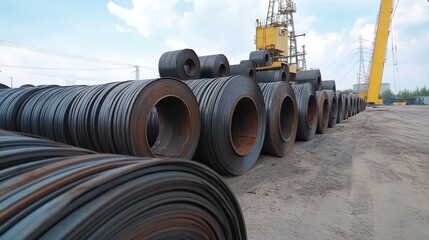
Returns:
point(368, 178)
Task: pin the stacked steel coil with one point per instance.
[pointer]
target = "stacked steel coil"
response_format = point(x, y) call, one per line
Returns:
point(313, 77)
point(182, 64)
point(214, 66)
point(109, 118)
point(333, 108)
point(245, 68)
point(323, 111)
point(282, 118)
point(232, 123)
point(277, 75)
point(341, 106)
point(307, 111)
point(52, 191)
point(261, 58)
point(329, 85)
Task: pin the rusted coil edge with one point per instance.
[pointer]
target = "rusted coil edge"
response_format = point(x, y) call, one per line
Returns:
point(282, 118)
point(182, 64)
point(102, 196)
point(341, 106)
point(323, 119)
point(307, 111)
point(233, 123)
point(333, 108)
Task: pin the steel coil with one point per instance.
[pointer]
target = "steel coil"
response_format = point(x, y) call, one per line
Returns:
point(233, 123)
point(341, 107)
point(349, 106)
point(329, 85)
point(113, 118)
point(323, 111)
point(245, 68)
point(2, 86)
point(278, 75)
point(333, 108)
point(282, 118)
point(182, 64)
point(261, 58)
point(355, 97)
point(352, 104)
point(100, 196)
point(213, 66)
point(307, 111)
point(313, 77)
point(11, 100)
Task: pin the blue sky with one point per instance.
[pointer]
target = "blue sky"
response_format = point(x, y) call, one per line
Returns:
point(137, 32)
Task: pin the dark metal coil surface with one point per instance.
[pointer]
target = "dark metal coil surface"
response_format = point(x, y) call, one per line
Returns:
point(307, 111)
point(2, 86)
point(232, 123)
point(245, 68)
point(261, 58)
point(329, 85)
point(341, 106)
point(349, 106)
point(182, 64)
point(323, 111)
point(333, 108)
point(313, 77)
point(213, 66)
point(282, 118)
point(46, 195)
point(112, 118)
point(278, 75)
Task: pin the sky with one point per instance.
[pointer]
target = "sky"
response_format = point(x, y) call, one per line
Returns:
point(94, 42)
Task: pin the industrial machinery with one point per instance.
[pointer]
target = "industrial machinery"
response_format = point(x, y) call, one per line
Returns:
point(378, 55)
point(277, 34)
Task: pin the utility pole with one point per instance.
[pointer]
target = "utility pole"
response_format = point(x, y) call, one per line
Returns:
point(137, 72)
point(11, 82)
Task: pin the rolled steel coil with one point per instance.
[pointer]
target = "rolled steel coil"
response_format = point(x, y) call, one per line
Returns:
point(278, 75)
point(356, 103)
point(346, 106)
point(113, 118)
point(27, 85)
point(341, 106)
point(233, 123)
point(182, 64)
point(282, 118)
point(307, 111)
point(313, 77)
point(11, 100)
point(261, 58)
point(349, 106)
point(329, 85)
point(2, 86)
point(100, 196)
point(213, 66)
point(333, 108)
point(245, 68)
point(323, 118)
point(352, 104)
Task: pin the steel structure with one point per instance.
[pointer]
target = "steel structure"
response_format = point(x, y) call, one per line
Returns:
point(379, 53)
point(277, 34)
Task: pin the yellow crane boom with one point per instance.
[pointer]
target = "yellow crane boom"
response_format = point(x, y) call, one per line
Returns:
point(379, 53)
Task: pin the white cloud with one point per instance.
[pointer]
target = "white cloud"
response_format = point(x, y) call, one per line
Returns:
point(175, 44)
point(122, 29)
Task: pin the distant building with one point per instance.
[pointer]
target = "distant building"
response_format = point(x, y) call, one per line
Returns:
point(363, 86)
point(423, 100)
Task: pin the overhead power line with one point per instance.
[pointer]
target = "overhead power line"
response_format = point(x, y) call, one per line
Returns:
point(65, 69)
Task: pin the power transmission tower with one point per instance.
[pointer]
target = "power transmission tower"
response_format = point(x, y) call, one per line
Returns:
point(362, 78)
point(137, 71)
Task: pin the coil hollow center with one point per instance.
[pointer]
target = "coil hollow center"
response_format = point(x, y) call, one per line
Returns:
point(244, 126)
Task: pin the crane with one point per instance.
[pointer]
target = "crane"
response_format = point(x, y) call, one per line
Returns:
point(379, 53)
point(277, 34)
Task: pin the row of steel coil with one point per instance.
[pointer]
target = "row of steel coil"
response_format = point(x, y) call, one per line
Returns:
point(201, 108)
